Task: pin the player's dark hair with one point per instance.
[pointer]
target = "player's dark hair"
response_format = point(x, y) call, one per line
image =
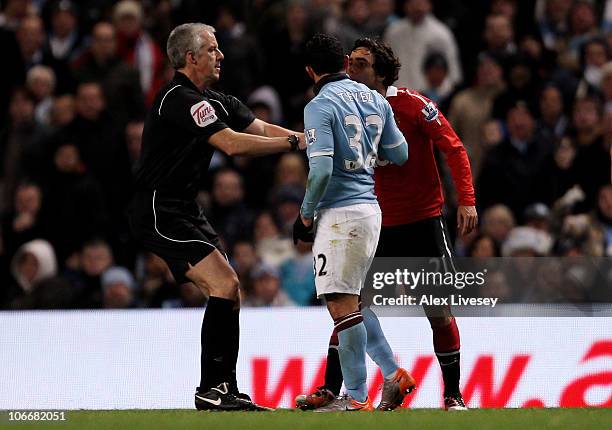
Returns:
point(386, 63)
point(324, 54)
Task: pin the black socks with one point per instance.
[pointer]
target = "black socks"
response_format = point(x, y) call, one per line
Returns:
point(220, 332)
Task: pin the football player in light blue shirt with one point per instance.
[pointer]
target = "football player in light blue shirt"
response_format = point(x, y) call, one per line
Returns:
point(348, 127)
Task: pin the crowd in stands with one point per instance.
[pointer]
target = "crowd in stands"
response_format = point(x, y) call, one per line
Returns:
point(527, 85)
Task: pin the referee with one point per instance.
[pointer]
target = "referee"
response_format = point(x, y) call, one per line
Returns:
point(185, 125)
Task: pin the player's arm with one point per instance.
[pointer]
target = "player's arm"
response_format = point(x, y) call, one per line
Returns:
point(318, 126)
point(459, 164)
point(321, 168)
point(439, 130)
point(393, 145)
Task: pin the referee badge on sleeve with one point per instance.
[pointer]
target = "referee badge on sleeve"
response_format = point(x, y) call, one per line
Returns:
point(203, 113)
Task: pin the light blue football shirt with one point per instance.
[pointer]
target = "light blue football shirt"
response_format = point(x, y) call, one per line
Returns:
point(349, 122)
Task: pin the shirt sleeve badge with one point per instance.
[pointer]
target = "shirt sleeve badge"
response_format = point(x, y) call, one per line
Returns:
point(203, 113)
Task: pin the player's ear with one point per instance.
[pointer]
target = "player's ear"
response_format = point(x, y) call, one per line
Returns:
point(346, 63)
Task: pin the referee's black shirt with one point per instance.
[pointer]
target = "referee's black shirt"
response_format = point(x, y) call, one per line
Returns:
point(175, 148)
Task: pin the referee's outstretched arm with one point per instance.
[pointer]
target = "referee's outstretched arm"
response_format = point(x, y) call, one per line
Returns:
point(234, 143)
point(262, 128)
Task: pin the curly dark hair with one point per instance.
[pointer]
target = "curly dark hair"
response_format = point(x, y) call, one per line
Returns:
point(324, 54)
point(386, 63)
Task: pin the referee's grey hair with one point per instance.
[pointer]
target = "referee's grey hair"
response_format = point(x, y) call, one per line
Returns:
point(184, 38)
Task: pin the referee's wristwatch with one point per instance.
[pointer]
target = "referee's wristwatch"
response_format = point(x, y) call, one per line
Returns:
point(294, 140)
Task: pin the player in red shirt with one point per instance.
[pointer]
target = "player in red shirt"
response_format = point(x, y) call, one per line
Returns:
point(411, 200)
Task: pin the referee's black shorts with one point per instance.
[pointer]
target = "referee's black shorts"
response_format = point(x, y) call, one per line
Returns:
point(174, 229)
point(425, 238)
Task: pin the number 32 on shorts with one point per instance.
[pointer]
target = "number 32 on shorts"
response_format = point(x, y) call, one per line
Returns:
point(322, 260)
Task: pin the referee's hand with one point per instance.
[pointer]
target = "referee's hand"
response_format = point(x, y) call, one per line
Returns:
point(303, 144)
point(301, 231)
point(467, 219)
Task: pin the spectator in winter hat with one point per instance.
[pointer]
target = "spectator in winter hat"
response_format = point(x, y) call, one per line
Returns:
point(118, 288)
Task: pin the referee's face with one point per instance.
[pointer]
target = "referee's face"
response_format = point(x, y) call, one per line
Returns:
point(208, 59)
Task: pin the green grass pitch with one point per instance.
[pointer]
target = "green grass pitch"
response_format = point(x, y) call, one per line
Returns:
point(418, 419)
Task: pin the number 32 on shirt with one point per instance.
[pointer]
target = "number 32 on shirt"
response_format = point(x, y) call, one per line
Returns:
point(357, 144)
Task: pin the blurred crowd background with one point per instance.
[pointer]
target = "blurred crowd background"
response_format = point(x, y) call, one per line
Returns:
point(527, 85)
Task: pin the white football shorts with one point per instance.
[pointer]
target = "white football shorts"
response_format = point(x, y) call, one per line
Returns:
point(345, 243)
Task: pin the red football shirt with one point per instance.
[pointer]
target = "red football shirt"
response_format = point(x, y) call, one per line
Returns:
point(413, 192)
